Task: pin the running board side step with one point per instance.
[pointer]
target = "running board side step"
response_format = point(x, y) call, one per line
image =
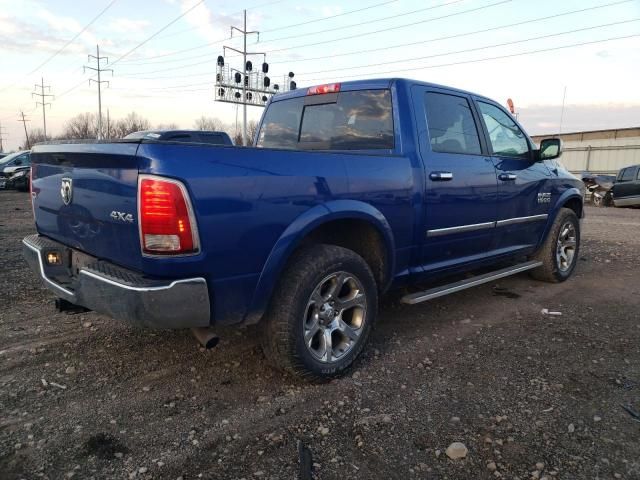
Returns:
point(443, 290)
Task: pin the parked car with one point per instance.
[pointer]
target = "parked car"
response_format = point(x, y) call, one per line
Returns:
point(190, 136)
point(19, 180)
point(626, 189)
point(2, 155)
point(380, 184)
point(14, 161)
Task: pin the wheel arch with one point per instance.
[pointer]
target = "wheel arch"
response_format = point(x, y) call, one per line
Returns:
point(571, 198)
point(318, 225)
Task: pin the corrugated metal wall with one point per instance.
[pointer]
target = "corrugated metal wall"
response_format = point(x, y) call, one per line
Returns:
point(605, 151)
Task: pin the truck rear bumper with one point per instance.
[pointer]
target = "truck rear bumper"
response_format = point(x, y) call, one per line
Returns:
point(118, 292)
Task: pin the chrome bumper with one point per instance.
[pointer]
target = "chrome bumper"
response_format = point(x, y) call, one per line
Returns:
point(120, 293)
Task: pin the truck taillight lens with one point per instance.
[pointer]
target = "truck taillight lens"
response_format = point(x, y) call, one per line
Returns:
point(32, 193)
point(167, 223)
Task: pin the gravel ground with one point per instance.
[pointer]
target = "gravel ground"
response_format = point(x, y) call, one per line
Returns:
point(529, 395)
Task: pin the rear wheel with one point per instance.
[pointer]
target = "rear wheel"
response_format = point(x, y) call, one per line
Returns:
point(321, 313)
point(559, 253)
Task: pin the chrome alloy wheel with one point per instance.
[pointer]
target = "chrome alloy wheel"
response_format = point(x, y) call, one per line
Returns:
point(566, 247)
point(335, 317)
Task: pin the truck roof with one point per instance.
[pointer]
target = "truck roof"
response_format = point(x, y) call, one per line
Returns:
point(370, 83)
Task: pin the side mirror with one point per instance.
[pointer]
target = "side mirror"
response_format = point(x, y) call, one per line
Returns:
point(550, 148)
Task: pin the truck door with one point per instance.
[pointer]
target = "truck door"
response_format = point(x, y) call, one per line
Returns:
point(524, 185)
point(460, 191)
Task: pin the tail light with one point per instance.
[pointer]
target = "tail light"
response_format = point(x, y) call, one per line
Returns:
point(166, 220)
point(31, 192)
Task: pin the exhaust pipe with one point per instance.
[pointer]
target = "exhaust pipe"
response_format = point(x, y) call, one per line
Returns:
point(69, 308)
point(206, 337)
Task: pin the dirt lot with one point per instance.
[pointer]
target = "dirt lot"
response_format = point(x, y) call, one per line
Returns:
point(530, 395)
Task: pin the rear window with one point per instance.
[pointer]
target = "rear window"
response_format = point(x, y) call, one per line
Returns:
point(359, 120)
point(213, 138)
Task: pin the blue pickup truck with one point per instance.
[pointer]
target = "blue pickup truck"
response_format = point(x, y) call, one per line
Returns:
point(350, 190)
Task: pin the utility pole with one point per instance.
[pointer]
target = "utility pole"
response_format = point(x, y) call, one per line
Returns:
point(99, 69)
point(564, 96)
point(24, 122)
point(2, 137)
point(43, 101)
point(244, 53)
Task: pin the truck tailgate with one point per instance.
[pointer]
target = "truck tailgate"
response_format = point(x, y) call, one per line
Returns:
point(85, 196)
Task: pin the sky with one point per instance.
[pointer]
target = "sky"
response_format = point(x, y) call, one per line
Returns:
point(521, 49)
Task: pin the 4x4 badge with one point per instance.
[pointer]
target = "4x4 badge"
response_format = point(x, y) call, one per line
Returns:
point(66, 190)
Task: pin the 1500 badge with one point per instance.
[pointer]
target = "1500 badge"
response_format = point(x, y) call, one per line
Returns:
point(122, 216)
point(544, 198)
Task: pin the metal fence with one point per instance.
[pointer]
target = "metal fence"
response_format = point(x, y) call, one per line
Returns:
point(604, 159)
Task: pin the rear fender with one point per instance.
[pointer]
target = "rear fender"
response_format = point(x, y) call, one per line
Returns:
point(298, 230)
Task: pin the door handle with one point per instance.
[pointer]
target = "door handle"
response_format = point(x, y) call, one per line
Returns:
point(507, 176)
point(441, 176)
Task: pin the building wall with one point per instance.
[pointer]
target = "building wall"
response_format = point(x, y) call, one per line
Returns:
point(602, 151)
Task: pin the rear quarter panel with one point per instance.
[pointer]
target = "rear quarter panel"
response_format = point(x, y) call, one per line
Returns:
point(246, 198)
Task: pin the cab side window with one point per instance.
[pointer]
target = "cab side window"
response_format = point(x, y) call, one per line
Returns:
point(627, 174)
point(506, 138)
point(452, 128)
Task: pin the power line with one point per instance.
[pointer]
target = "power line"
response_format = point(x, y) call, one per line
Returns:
point(158, 32)
point(208, 73)
point(457, 35)
point(478, 60)
point(69, 90)
point(286, 27)
point(475, 49)
point(538, 19)
point(168, 69)
point(265, 31)
point(388, 29)
point(60, 50)
point(84, 29)
point(389, 17)
point(406, 44)
point(43, 101)
point(428, 56)
point(176, 52)
point(324, 42)
point(186, 30)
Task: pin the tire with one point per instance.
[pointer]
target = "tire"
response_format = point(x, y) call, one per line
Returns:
point(559, 252)
point(598, 201)
point(307, 300)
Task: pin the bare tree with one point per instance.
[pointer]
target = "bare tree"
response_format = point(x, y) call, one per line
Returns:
point(36, 135)
point(81, 127)
point(131, 123)
point(167, 126)
point(208, 123)
point(252, 129)
point(237, 138)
